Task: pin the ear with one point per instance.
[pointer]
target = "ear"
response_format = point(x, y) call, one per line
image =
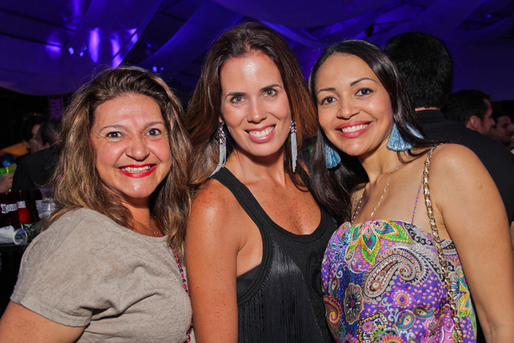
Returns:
point(220, 119)
point(474, 123)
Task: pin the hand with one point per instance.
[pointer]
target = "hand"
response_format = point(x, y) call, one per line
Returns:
point(6, 182)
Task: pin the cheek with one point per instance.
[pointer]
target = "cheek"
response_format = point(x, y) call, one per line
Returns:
point(105, 156)
point(231, 117)
point(324, 119)
point(162, 151)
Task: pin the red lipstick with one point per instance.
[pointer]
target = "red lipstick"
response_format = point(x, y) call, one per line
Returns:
point(138, 174)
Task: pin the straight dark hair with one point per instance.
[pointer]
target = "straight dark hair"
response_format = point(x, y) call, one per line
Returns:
point(204, 111)
point(332, 186)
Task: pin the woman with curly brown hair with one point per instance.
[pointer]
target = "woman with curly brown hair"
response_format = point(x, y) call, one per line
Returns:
point(107, 264)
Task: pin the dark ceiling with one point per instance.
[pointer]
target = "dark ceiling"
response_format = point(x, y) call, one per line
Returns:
point(53, 46)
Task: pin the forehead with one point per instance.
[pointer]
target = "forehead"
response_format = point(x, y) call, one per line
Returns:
point(128, 105)
point(344, 68)
point(504, 120)
point(254, 67)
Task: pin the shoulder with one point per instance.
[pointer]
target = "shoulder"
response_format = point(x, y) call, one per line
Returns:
point(79, 227)
point(454, 157)
point(215, 216)
point(454, 167)
point(213, 199)
point(83, 221)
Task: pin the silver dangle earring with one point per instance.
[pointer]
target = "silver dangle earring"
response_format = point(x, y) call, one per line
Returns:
point(222, 145)
point(294, 147)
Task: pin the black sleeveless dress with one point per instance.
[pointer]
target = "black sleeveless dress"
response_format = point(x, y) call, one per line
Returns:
point(281, 299)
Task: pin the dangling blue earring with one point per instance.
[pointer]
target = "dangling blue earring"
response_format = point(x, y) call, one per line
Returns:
point(332, 158)
point(397, 143)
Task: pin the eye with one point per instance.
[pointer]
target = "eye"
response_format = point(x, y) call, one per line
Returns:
point(364, 91)
point(154, 132)
point(327, 100)
point(236, 99)
point(113, 134)
point(270, 92)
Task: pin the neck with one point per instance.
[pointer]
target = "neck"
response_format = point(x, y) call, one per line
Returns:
point(143, 222)
point(248, 167)
point(379, 162)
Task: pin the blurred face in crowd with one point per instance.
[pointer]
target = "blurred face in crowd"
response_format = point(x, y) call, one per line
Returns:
point(32, 145)
point(488, 122)
point(503, 130)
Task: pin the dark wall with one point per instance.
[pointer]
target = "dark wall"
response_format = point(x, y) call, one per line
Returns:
point(13, 106)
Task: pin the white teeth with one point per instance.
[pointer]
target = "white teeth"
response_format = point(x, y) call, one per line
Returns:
point(354, 128)
point(261, 133)
point(136, 170)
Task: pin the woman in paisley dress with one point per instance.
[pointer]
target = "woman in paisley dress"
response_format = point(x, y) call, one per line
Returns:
point(382, 280)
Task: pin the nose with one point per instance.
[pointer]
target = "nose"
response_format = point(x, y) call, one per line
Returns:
point(137, 148)
point(256, 112)
point(348, 108)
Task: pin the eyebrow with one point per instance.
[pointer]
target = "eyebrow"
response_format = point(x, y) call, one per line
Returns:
point(262, 89)
point(115, 126)
point(233, 94)
point(361, 79)
point(331, 89)
point(271, 86)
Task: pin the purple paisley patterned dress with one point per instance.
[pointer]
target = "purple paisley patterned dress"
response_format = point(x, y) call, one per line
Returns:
point(382, 282)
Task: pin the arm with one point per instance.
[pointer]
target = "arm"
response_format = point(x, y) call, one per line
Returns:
point(6, 182)
point(512, 233)
point(20, 325)
point(468, 203)
point(211, 256)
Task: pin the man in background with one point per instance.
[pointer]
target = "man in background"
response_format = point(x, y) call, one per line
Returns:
point(426, 66)
point(503, 129)
point(472, 108)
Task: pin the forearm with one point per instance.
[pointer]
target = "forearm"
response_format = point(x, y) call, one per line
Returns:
point(501, 334)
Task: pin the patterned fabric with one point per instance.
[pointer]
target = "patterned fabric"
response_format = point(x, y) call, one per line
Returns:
point(382, 282)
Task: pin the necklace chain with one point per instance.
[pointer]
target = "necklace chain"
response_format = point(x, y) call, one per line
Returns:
point(154, 232)
point(357, 208)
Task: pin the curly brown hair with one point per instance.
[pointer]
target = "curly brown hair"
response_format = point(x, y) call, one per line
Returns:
point(76, 183)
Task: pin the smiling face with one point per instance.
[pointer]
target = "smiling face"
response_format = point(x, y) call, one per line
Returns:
point(254, 104)
point(32, 145)
point(131, 146)
point(354, 107)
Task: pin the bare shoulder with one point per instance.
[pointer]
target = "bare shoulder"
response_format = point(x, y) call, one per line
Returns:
point(213, 197)
point(213, 207)
point(455, 167)
point(455, 158)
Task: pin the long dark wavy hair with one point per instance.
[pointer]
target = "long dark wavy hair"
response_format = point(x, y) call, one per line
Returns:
point(332, 186)
point(76, 183)
point(204, 111)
